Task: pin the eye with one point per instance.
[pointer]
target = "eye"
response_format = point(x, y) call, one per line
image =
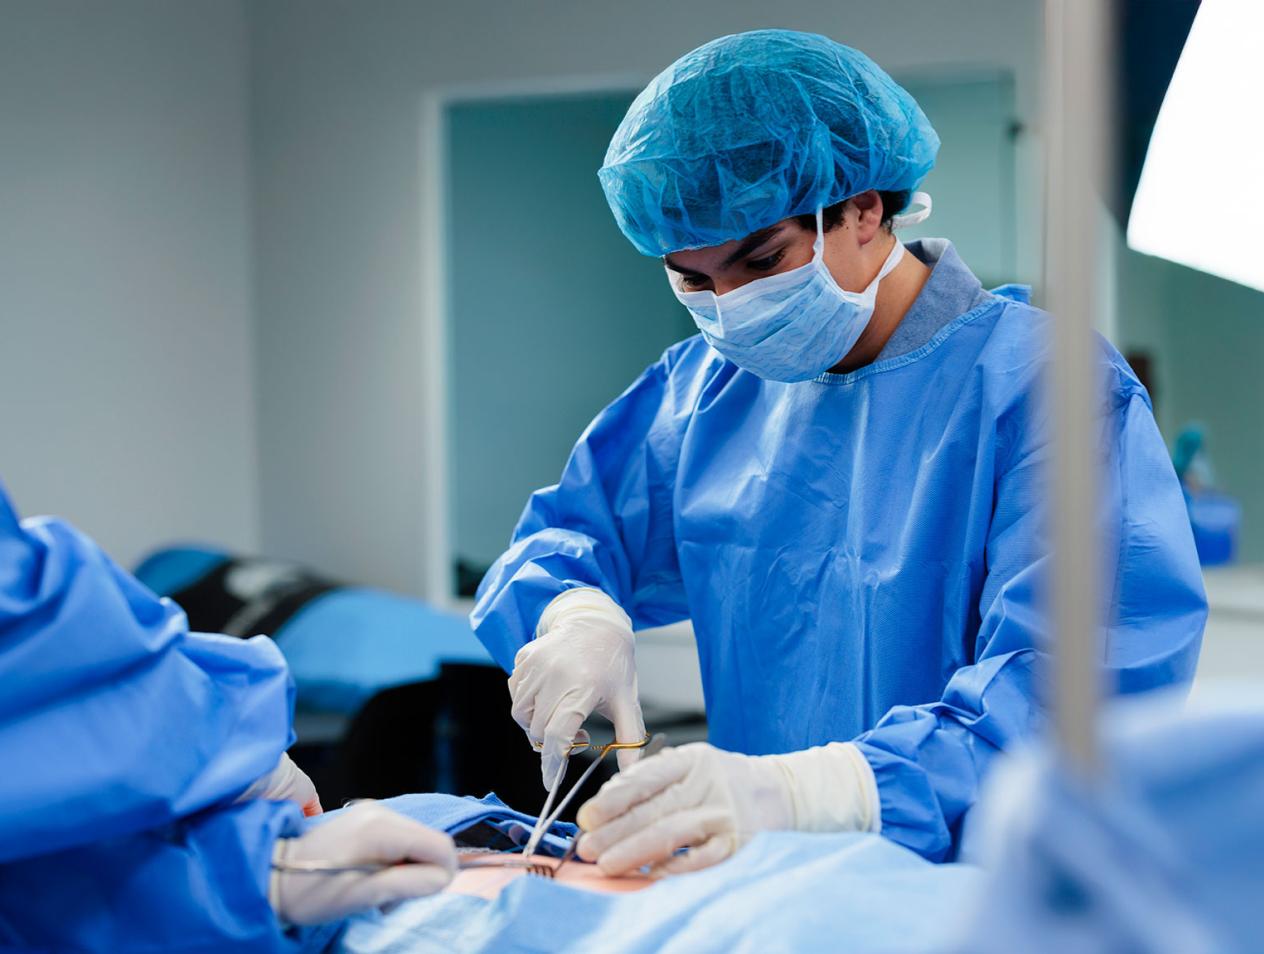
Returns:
point(767, 263)
point(694, 282)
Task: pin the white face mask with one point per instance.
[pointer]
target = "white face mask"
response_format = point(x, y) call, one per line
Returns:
point(795, 325)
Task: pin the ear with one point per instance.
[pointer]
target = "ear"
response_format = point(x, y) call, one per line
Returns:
point(869, 212)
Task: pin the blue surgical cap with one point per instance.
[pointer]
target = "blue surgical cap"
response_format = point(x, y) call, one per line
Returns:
point(754, 128)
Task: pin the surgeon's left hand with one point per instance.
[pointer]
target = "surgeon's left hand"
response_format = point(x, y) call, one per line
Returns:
point(712, 802)
point(401, 859)
point(287, 783)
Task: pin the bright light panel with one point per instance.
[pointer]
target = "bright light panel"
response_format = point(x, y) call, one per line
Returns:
point(1208, 143)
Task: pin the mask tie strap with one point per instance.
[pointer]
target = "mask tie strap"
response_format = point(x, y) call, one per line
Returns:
point(905, 219)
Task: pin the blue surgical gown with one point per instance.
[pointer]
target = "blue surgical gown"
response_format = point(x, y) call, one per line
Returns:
point(862, 556)
point(124, 742)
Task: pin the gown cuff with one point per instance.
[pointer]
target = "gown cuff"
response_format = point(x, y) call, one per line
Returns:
point(908, 805)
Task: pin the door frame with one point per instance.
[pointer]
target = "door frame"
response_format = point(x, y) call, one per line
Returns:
point(437, 584)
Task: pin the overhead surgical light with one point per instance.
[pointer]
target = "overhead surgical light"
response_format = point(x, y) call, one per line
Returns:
point(1209, 141)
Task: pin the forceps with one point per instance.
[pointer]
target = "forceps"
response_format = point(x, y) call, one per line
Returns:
point(547, 820)
point(490, 860)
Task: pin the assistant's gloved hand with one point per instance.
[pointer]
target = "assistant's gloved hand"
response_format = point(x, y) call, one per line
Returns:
point(581, 661)
point(423, 861)
point(286, 783)
point(712, 802)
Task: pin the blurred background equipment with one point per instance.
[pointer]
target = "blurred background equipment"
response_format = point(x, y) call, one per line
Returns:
point(389, 689)
point(392, 693)
point(1214, 516)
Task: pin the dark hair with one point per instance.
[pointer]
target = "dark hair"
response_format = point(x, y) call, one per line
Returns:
point(892, 204)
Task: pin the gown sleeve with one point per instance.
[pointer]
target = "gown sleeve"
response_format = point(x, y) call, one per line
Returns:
point(199, 884)
point(607, 523)
point(113, 717)
point(928, 759)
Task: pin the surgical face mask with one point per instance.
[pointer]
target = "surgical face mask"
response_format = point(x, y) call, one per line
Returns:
point(791, 326)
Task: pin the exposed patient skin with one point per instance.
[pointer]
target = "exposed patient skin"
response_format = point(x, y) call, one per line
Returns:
point(489, 882)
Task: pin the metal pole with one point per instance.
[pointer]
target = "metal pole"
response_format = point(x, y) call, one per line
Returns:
point(1077, 100)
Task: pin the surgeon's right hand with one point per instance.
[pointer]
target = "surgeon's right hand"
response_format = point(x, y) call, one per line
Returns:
point(420, 861)
point(581, 661)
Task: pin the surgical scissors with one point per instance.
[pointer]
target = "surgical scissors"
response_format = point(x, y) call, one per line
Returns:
point(547, 820)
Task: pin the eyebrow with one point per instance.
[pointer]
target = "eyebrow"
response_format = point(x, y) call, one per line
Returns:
point(676, 267)
point(749, 244)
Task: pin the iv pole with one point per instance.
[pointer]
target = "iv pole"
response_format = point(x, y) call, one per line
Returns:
point(1078, 100)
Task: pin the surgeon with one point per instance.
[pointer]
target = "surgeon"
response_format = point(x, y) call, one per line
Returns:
point(839, 481)
point(147, 801)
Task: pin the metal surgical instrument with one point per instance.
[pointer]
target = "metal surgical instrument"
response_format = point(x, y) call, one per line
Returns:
point(547, 819)
point(464, 864)
point(655, 745)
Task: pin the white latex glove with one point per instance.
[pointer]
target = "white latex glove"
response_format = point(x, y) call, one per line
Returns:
point(712, 802)
point(581, 661)
point(286, 783)
point(423, 861)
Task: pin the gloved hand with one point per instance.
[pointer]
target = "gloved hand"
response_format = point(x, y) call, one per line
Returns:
point(581, 661)
point(712, 802)
point(423, 861)
point(286, 783)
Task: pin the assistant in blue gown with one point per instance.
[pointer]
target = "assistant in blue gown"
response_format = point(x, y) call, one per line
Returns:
point(124, 743)
point(862, 555)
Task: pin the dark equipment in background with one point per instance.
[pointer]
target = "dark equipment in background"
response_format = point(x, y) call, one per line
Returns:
point(452, 733)
point(445, 735)
point(469, 574)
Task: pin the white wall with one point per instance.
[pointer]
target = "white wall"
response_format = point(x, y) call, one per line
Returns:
point(126, 385)
point(335, 127)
